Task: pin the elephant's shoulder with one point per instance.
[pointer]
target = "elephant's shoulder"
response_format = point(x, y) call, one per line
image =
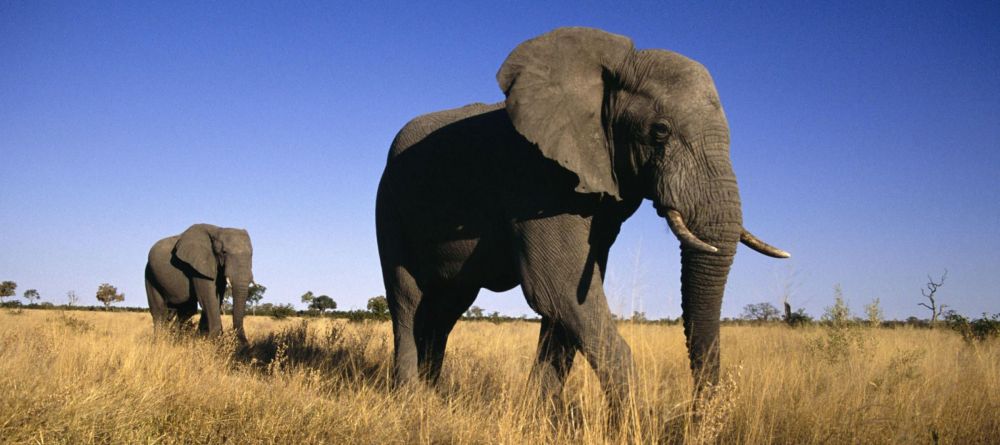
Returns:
point(420, 127)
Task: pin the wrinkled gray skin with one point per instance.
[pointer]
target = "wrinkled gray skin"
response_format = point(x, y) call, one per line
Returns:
point(533, 191)
point(190, 269)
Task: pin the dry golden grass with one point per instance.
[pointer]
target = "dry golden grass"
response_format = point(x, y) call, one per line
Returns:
point(79, 377)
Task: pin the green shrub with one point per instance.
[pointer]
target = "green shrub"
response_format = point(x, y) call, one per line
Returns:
point(282, 311)
point(74, 323)
point(842, 335)
point(799, 318)
point(982, 329)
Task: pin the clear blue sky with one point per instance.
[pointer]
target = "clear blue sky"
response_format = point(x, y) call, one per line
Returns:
point(866, 139)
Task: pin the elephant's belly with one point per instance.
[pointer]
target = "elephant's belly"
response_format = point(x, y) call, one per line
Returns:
point(176, 292)
point(467, 263)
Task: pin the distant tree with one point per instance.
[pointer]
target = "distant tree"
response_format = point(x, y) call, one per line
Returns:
point(638, 317)
point(7, 289)
point(874, 313)
point(31, 295)
point(495, 317)
point(322, 303)
point(932, 288)
point(108, 295)
point(760, 312)
point(474, 312)
point(307, 298)
point(379, 306)
point(71, 298)
point(255, 293)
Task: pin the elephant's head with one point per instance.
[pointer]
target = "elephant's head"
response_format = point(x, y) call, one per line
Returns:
point(220, 253)
point(640, 124)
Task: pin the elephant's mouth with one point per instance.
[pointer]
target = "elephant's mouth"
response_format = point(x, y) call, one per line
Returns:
point(691, 241)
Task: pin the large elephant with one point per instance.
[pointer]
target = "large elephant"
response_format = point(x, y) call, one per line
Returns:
point(533, 191)
point(192, 268)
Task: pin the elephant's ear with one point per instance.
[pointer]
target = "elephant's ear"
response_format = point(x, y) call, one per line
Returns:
point(195, 247)
point(555, 92)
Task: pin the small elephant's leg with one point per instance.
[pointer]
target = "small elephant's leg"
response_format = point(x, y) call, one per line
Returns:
point(436, 317)
point(403, 296)
point(211, 320)
point(556, 351)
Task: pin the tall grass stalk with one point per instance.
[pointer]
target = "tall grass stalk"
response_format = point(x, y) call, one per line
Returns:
point(101, 378)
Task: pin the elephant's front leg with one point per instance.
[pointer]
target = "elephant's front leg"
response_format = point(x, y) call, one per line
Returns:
point(211, 319)
point(562, 259)
point(556, 351)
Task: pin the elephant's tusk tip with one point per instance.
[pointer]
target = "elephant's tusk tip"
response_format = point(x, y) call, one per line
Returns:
point(755, 243)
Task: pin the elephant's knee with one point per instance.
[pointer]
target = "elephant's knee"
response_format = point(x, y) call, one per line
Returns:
point(541, 299)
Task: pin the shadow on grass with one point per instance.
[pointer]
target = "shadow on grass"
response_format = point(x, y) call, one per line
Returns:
point(355, 355)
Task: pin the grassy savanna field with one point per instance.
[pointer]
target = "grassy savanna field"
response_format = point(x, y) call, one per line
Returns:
point(85, 377)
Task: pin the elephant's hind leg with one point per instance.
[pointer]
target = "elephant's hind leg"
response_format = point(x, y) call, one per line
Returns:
point(403, 296)
point(157, 305)
point(436, 317)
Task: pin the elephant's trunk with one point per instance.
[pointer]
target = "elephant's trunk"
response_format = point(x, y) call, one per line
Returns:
point(714, 216)
point(240, 292)
point(703, 282)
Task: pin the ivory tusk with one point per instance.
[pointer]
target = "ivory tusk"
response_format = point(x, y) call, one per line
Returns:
point(687, 239)
point(755, 243)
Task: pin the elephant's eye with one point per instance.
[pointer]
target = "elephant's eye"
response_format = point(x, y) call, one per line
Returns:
point(660, 131)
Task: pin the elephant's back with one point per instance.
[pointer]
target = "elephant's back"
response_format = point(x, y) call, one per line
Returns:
point(163, 272)
point(162, 249)
point(161, 257)
point(418, 128)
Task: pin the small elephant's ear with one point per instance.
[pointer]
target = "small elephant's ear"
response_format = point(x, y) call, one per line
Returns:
point(195, 248)
point(555, 93)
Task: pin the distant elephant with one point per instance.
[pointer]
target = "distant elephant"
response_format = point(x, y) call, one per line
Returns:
point(192, 268)
point(533, 191)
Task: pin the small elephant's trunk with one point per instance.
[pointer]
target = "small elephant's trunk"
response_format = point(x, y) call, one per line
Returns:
point(240, 292)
